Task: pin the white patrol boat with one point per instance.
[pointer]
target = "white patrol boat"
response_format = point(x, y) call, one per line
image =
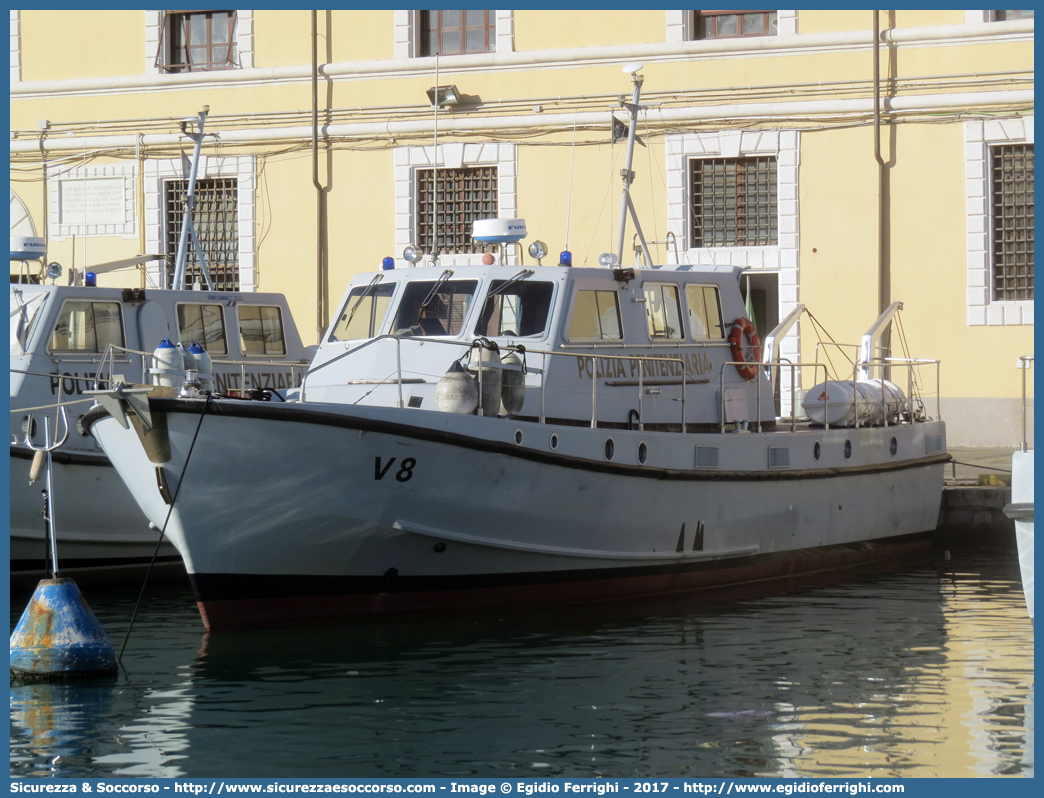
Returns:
point(497, 435)
point(68, 340)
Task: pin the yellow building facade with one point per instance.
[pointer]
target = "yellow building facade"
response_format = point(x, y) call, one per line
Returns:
point(762, 149)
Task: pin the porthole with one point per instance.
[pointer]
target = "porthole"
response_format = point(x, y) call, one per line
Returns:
point(518, 436)
point(643, 453)
point(610, 449)
point(554, 442)
point(817, 450)
point(848, 450)
point(893, 447)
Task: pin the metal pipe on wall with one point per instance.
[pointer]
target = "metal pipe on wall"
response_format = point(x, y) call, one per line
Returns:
point(320, 216)
point(884, 265)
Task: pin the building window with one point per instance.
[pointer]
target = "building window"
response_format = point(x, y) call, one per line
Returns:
point(733, 202)
point(1003, 16)
point(463, 196)
point(198, 41)
point(733, 24)
point(455, 32)
point(216, 220)
point(1012, 206)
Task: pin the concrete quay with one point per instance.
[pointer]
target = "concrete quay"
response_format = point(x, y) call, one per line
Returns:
point(978, 485)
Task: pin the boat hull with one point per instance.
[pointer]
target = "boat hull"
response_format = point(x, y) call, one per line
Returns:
point(341, 511)
point(102, 534)
point(1021, 510)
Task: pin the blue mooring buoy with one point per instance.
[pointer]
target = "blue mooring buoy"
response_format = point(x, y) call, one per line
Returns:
point(58, 636)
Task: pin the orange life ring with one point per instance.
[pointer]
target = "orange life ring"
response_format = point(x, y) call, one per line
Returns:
point(741, 327)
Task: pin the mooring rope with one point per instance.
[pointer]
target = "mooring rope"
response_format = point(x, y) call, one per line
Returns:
point(163, 530)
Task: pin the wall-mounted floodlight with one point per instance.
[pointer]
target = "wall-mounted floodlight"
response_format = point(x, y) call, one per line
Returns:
point(443, 95)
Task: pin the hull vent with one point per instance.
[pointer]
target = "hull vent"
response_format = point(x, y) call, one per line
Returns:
point(706, 456)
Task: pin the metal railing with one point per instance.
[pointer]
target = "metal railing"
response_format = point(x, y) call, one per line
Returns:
point(1026, 362)
point(793, 367)
point(521, 350)
point(148, 358)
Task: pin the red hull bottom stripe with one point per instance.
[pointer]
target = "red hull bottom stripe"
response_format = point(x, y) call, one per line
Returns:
point(235, 601)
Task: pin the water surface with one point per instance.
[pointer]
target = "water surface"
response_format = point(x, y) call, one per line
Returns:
point(922, 669)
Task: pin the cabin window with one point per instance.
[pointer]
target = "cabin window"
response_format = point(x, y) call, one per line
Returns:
point(434, 308)
point(516, 309)
point(596, 317)
point(205, 325)
point(663, 311)
point(363, 314)
point(85, 326)
point(704, 312)
point(261, 330)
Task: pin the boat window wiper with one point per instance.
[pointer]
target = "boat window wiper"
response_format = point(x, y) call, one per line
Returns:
point(366, 292)
point(435, 288)
point(525, 274)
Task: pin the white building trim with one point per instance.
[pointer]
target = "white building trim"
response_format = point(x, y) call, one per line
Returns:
point(781, 258)
point(243, 168)
point(16, 46)
point(87, 179)
point(405, 27)
point(452, 156)
point(679, 24)
point(244, 40)
point(979, 136)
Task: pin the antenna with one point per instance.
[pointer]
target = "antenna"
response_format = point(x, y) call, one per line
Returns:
point(628, 176)
point(569, 201)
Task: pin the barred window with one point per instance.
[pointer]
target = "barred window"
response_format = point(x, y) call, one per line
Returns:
point(1012, 199)
point(200, 41)
point(1001, 16)
point(449, 32)
point(463, 196)
point(733, 202)
point(733, 24)
point(216, 220)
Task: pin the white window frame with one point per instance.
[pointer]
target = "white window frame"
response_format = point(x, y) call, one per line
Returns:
point(782, 257)
point(453, 156)
point(16, 46)
point(243, 168)
point(58, 175)
point(979, 137)
point(153, 31)
point(679, 24)
point(407, 31)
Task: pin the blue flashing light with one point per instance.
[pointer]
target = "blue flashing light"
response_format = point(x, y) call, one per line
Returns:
point(566, 258)
point(388, 264)
point(90, 279)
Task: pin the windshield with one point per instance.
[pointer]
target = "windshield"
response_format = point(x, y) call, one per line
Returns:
point(515, 309)
point(363, 314)
point(435, 307)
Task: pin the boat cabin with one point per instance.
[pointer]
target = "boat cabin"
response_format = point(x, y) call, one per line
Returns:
point(59, 336)
point(609, 347)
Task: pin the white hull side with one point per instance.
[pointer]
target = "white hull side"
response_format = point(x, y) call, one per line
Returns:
point(286, 498)
point(1022, 493)
point(100, 527)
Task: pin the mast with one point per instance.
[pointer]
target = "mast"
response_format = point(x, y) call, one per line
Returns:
point(628, 176)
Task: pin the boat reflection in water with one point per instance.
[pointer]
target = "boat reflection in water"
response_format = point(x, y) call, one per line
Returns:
point(913, 672)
